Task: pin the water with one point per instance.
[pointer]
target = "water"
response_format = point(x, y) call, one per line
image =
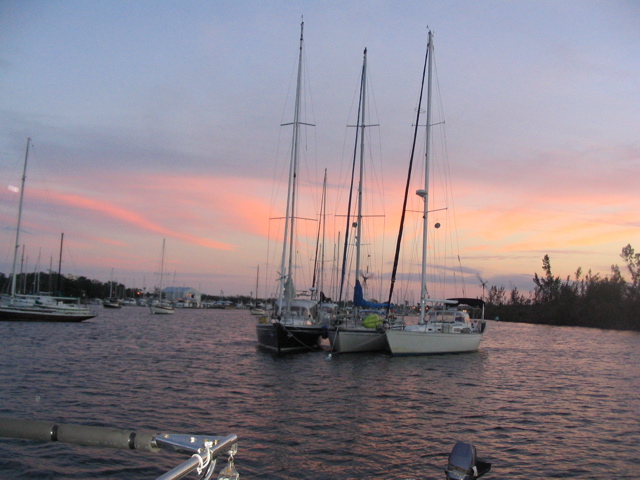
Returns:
point(538, 402)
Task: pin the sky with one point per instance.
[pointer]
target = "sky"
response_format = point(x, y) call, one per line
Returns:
point(162, 120)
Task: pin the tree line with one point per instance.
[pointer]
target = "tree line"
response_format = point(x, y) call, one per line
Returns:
point(67, 286)
point(87, 289)
point(589, 300)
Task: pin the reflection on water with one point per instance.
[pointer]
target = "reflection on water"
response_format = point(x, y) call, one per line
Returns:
point(538, 402)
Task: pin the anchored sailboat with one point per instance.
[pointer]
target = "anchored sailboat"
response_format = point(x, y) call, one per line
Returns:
point(112, 301)
point(361, 330)
point(161, 306)
point(293, 325)
point(447, 327)
point(40, 307)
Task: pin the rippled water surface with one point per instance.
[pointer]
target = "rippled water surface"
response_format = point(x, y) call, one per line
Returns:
point(538, 402)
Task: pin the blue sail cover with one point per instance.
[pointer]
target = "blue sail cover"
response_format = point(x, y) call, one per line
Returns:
point(359, 301)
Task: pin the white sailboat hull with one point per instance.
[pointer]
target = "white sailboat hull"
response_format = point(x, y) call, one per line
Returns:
point(161, 309)
point(403, 342)
point(352, 340)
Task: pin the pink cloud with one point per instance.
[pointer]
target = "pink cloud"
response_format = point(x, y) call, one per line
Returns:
point(129, 217)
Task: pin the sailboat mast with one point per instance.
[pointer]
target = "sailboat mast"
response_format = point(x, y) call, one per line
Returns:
point(15, 252)
point(359, 123)
point(295, 154)
point(318, 270)
point(425, 193)
point(257, 283)
point(324, 229)
point(161, 271)
point(58, 280)
point(408, 182)
point(362, 125)
point(289, 235)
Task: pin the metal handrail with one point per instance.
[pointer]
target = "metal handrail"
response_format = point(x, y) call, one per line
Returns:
point(198, 446)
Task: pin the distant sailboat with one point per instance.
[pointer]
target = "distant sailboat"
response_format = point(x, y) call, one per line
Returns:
point(257, 308)
point(40, 307)
point(112, 301)
point(161, 306)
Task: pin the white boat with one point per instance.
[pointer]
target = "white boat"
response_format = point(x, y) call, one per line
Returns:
point(161, 306)
point(40, 307)
point(442, 329)
point(43, 308)
point(359, 330)
point(112, 303)
point(293, 326)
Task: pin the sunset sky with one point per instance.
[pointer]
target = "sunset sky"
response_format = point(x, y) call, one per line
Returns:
point(162, 120)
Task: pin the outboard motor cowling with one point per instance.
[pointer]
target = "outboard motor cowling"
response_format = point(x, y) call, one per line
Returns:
point(463, 463)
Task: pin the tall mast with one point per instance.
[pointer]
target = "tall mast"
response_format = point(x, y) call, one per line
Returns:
point(318, 263)
point(427, 60)
point(363, 87)
point(360, 124)
point(289, 234)
point(425, 193)
point(15, 252)
point(324, 229)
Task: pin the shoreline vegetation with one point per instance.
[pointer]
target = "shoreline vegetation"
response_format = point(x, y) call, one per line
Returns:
point(586, 300)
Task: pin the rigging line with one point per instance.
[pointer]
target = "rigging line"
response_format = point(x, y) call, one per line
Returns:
point(344, 174)
point(50, 204)
point(353, 168)
point(309, 105)
point(275, 191)
point(406, 190)
point(449, 185)
point(320, 224)
point(375, 175)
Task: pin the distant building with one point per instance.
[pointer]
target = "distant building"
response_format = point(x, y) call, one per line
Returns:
point(190, 296)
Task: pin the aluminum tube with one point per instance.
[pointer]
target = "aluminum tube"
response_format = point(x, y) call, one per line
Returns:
point(181, 470)
point(78, 434)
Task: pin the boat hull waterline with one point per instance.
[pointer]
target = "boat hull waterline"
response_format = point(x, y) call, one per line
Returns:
point(161, 310)
point(403, 342)
point(282, 338)
point(42, 315)
point(355, 340)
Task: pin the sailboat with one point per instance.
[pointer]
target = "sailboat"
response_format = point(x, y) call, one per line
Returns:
point(40, 307)
point(447, 327)
point(112, 301)
point(327, 309)
point(293, 325)
point(160, 306)
point(361, 330)
point(257, 308)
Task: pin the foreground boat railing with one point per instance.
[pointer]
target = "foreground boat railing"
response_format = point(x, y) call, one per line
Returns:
point(463, 463)
point(204, 450)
